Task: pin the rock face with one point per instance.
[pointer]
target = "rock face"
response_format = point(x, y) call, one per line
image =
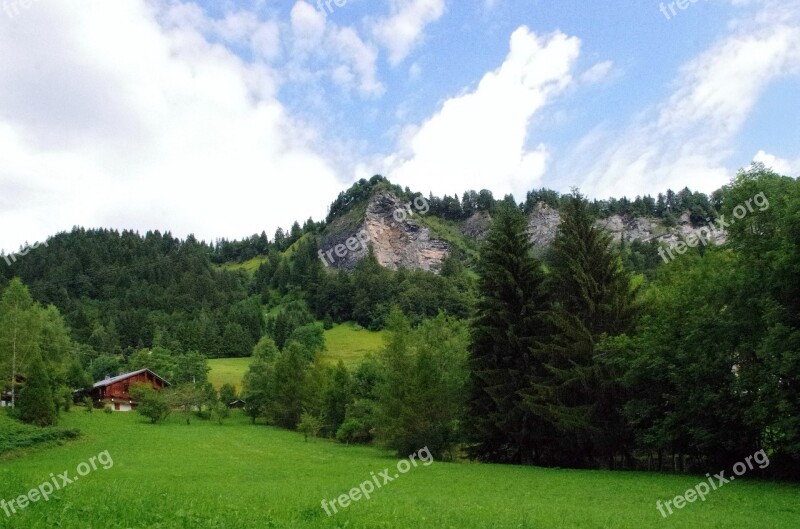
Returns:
point(543, 224)
point(477, 226)
point(397, 240)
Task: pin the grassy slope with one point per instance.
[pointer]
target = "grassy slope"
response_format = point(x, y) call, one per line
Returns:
point(350, 343)
point(345, 342)
point(227, 371)
point(241, 476)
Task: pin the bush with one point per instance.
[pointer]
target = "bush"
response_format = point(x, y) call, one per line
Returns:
point(15, 435)
point(309, 425)
point(152, 404)
point(108, 410)
point(354, 431)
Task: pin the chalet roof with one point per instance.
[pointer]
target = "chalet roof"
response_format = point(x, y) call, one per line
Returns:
point(119, 378)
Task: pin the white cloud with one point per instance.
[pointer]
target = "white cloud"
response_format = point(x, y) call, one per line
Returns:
point(403, 29)
point(110, 118)
point(779, 165)
point(479, 139)
point(346, 58)
point(597, 73)
point(688, 139)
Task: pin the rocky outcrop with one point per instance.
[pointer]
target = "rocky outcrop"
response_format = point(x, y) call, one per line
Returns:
point(390, 228)
point(477, 226)
point(543, 224)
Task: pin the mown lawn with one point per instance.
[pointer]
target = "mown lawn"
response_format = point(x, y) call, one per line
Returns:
point(346, 342)
point(241, 476)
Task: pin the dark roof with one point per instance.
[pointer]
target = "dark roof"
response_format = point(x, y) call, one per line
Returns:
point(118, 378)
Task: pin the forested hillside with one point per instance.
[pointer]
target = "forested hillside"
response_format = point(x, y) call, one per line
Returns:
point(594, 353)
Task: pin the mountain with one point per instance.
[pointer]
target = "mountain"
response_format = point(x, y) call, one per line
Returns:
point(407, 234)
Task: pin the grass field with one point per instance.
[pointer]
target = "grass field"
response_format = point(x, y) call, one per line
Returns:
point(350, 343)
point(228, 371)
point(345, 342)
point(241, 476)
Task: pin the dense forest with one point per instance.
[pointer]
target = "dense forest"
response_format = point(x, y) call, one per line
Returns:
point(596, 354)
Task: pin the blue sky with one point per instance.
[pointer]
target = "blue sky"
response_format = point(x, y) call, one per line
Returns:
point(228, 118)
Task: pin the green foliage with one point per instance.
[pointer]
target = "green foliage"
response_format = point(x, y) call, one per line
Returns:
point(309, 425)
point(227, 394)
point(265, 349)
point(592, 298)
point(256, 387)
point(310, 337)
point(190, 368)
point(288, 391)
point(120, 291)
point(509, 321)
point(188, 397)
point(16, 435)
point(152, 403)
point(36, 403)
point(106, 365)
point(221, 411)
point(421, 397)
point(336, 396)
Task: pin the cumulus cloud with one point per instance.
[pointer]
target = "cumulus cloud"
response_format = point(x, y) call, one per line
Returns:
point(125, 115)
point(779, 165)
point(688, 139)
point(400, 32)
point(479, 139)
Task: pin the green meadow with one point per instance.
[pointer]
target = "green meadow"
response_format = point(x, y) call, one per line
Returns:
point(239, 476)
point(347, 342)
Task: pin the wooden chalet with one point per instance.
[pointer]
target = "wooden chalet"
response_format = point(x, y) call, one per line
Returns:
point(113, 391)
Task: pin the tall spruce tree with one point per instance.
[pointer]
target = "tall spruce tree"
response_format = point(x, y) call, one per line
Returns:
point(509, 322)
point(593, 299)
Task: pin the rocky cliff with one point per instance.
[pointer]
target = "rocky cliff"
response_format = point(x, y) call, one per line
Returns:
point(400, 238)
point(543, 224)
point(393, 229)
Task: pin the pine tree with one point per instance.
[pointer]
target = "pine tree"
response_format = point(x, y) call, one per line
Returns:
point(36, 403)
point(593, 299)
point(508, 324)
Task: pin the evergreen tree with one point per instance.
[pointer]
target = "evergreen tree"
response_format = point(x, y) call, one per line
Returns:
point(36, 402)
point(509, 322)
point(592, 298)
